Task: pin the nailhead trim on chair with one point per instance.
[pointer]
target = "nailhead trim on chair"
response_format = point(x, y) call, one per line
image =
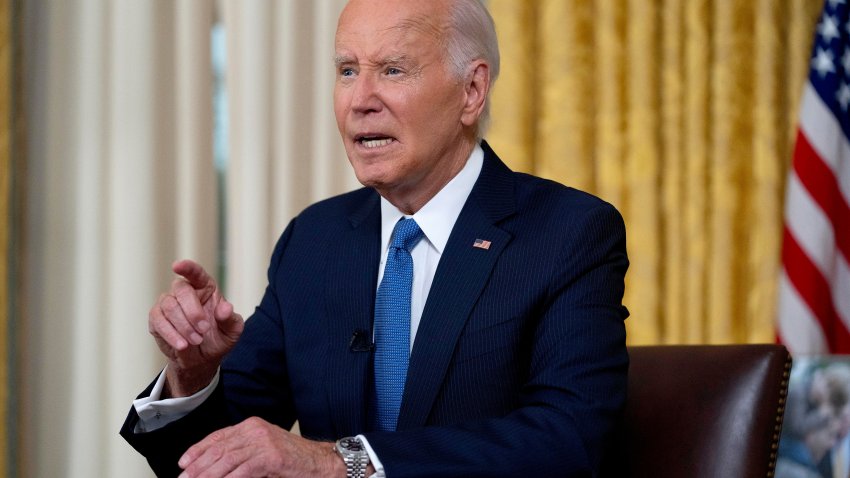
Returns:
point(780, 414)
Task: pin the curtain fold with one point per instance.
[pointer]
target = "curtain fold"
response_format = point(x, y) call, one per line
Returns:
point(285, 152)
point(121, 182)
point(196, 204)
point(119, 149)
point(6, 114)
point(681, 113)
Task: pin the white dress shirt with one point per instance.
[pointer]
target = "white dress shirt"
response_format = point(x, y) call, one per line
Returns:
point(436, 219)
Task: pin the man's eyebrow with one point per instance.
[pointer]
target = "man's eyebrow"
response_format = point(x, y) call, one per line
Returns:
point(387, 60)
point(394, 59)
point(340, 60)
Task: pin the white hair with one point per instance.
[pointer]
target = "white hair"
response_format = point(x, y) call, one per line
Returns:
point(472, 36)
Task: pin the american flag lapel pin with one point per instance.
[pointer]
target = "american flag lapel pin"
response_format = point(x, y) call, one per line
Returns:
point(481, 244)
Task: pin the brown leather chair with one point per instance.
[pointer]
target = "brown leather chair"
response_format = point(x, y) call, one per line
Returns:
point(705, 411)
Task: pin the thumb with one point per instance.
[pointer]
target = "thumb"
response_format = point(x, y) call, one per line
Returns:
point(229, 321)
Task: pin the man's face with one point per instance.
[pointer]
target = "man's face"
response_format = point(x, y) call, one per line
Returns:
point(398, 107)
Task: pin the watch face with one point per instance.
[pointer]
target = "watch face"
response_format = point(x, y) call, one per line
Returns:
point(351, 444)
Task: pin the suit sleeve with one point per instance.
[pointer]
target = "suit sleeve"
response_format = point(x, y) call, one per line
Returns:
point(251, 385)
point(575, 391)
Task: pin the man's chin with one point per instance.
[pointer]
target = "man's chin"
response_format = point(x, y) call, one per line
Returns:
point(370, 174)
point(370, 180)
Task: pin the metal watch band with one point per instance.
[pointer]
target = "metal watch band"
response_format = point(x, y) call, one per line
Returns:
point(355, 465)
point(354, 456)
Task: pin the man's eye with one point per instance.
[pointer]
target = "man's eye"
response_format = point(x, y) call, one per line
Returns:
point(393, 71)
point(346, 72)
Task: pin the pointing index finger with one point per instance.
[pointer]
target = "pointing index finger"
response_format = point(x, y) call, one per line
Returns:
point(196, 276)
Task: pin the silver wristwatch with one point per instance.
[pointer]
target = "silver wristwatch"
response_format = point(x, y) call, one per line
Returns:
point(354, 455)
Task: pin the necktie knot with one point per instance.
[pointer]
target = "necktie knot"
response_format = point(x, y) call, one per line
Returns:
point(406, 234)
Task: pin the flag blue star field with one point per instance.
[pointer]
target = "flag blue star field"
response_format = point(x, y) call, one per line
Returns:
point(814, 289)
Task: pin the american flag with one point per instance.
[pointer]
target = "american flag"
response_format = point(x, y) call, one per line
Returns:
point(481, 244)
point(814, 288)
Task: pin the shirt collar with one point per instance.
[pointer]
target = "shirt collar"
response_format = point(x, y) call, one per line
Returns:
point(437, 217)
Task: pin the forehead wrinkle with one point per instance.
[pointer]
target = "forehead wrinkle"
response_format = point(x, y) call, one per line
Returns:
point(422, 24)
point(419, 24)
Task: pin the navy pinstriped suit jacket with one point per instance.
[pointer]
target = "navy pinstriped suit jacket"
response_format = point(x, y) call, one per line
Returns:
point(519, 364)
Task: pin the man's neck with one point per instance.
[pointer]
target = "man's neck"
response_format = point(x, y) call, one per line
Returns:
point(412, 199)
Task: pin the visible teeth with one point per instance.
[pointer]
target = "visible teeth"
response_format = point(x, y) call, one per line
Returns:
point(376, 143)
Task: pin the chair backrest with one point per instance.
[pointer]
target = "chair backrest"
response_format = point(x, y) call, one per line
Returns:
point(705, 411)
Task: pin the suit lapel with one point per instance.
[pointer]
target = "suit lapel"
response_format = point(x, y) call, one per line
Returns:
point(350, 293)
point(461, 275)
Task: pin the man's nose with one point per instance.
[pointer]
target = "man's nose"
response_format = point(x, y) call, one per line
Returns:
point(366, 97)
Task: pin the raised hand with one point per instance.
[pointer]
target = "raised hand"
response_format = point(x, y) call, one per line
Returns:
point(194, 327)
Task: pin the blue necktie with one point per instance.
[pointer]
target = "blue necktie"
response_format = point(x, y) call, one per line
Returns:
point(392, 324)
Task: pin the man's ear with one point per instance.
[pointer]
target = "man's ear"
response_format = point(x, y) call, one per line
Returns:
point(476, 87)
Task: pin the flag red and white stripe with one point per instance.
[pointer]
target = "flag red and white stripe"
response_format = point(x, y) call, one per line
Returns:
point(814, 288)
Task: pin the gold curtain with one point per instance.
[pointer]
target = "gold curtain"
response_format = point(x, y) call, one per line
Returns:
point(682, 114)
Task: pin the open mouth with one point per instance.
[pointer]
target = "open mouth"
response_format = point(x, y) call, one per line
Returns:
point(374, 141)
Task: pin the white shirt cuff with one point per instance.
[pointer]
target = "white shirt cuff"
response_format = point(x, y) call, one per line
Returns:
point(376, 463)
point(155, 413)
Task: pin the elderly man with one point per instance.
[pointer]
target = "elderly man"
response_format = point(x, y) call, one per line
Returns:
point(452, 318)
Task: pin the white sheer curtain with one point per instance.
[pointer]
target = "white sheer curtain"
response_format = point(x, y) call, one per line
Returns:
point(120, 176)
point(285, 152)
point(122, 183)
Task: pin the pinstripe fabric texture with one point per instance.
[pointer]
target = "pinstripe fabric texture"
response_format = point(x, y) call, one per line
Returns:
point(392, 324)
point(519, 365)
